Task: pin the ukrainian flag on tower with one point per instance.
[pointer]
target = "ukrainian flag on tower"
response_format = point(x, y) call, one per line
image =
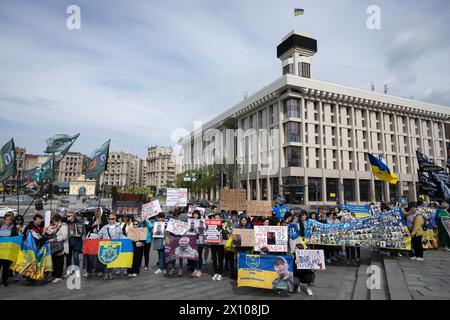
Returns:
point(381, 170)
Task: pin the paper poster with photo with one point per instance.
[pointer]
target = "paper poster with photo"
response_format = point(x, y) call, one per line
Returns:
point(137, 234)
point(150, 209)
point(181, 247)
point(213, 232)
point(275, 238)
point(310, 259)
point(266, 272)
point(158, 229)
point(176, 197)
point(177, 227)
point(243, 238)
point(196, 226)
point(192, 208)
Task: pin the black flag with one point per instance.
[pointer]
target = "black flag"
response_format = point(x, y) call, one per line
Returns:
point(426, 164)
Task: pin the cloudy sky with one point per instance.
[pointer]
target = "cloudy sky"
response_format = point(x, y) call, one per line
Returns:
point(138, 70)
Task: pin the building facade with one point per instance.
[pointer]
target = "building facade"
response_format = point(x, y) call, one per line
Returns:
point(160, 171)
point(20, 163)
point(309, 140)
point(81, 186)
point(123, 170)
point(70, 167)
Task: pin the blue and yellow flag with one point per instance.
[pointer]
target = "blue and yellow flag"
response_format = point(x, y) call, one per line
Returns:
point(116, 253)
point(31, 262)
point(10, 248)
point(381, 170)
point(298, 12)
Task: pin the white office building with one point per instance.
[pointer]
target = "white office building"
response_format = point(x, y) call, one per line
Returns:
point(309, 140)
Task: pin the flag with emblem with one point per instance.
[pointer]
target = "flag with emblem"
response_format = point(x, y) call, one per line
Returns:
point(60, 143)
point(97, 162)
point(116, 253)
point(7, 160)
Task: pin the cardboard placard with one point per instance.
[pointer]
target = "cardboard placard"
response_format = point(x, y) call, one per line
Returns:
point(233, 199)
point(259, 208)
point(137, 234)
point(243, 238)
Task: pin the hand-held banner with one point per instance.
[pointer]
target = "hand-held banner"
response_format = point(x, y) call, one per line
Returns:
point(310, 259)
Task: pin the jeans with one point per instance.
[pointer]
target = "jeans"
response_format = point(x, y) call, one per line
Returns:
point(217, 252)
point(417, 247)
point(199, 262)
point(76, 257)
point(162, 259)
point(4, 264)
point(350, 253)
point(232, 263)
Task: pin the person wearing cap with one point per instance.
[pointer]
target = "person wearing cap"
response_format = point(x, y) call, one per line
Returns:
point(285, 280)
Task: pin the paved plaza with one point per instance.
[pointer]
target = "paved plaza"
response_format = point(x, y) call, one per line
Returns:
point(403, 279)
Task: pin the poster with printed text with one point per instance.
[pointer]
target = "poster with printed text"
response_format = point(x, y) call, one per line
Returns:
point(275, 238)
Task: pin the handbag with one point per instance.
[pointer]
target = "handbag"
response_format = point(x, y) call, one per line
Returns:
point(56, 247)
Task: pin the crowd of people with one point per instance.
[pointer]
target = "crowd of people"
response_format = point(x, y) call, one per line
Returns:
point(66, 234)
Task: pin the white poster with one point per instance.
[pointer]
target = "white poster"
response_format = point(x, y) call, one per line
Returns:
point(310, 259)
point(192, 208)
point(275, 238)
point(150, 209)
point(177, 227)
point(158, 229)
point(176, 197)
point(47, 217)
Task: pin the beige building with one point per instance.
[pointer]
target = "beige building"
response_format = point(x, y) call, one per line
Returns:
point(81, 186)
point(161, 165)
point(20, 163)
point(123, 170)
point(70, 167)
point(309, 140)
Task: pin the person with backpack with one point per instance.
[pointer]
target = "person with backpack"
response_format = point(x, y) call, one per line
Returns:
point(418, 225)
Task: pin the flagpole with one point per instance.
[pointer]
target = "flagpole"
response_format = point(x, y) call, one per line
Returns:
point(17, 192)
point(37, 193)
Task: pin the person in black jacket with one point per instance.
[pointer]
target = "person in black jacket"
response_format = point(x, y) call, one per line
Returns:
point(7, 229)
point(76, 233)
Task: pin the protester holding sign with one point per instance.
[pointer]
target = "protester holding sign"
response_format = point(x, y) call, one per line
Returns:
point(217, 247)
point(7, 229)
point(110, 231)
point(303, 277)
point(58, 236)
point(200, 229)
point(138, 248)
point(146, 223)
point(158, 244)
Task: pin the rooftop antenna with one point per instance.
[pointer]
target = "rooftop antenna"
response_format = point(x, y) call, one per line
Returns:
point(245, 95)
point(372, 86)
point(385, 89)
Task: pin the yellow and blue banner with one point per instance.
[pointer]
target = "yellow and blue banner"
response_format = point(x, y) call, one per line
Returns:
point(116, 253)
point(31, 262)
point(10, 247)
point(382, 171)
point(265, 271)
point(359, 211)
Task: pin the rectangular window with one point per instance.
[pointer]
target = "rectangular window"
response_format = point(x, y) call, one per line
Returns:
point(291, 108)
point(293, 157)
point(364, 190)
point(292, 132)
point(288, 69)
point(315, 189)
point(332, 189)
point(304, 70)
point(349, 190)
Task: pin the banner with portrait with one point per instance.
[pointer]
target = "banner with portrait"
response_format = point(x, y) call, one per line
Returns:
point(192, 208)
point(274, 238)
point(359, 211)
point(384, 230)
point(180, 247)
point(266, 272)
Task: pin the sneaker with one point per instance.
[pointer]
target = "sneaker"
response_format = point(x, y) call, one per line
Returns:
point(180, 272)
point(194, 274)
point(130, 275)
point(134, 274)
point(146, 269)
point(219, 277)
point(56, 280)
point(111, 276)
point(118, 272)
point(348, 262)
point(299, 290)
point(214, 277)
point(309, 292)
point(100, 274)
point(171, 272)
point(105, 277)
point(447, 249)
point(419, 259)
point(158, 271)
point(328, 261)
point(357, 260)
point(199, 274)
point(413, 258)
point(399, 254)
point(5, 284)
point(164, 271)
point(86, 275)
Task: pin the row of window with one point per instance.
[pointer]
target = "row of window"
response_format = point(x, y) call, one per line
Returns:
point(304, 69)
